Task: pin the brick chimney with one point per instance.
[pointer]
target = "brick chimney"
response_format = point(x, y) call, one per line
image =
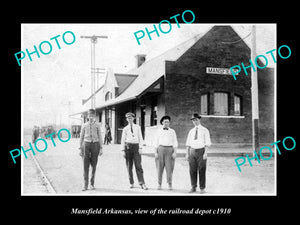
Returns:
point(140, 59)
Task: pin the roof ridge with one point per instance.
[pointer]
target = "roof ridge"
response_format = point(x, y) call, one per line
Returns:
point(196, 37)
point(182, 43)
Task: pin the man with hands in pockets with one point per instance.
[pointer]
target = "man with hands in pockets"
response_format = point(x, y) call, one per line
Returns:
point(165, 151)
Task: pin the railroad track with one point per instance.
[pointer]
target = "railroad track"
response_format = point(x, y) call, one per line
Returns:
point(39, 175)
point(44, 178)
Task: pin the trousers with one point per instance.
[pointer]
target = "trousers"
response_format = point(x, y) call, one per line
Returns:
point(165, 160)
point(132, 155)
point(197, 165)
point(90, 157)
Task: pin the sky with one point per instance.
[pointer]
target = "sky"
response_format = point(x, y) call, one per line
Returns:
point(54, 85)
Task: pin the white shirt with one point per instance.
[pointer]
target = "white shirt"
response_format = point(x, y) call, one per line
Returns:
point(166, 138)
point(134, 137)
point(203, 137)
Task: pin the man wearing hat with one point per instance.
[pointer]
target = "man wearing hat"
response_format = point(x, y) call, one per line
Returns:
point(131, 143)
point(197, 143)
point(165, 151)
point(91, 147)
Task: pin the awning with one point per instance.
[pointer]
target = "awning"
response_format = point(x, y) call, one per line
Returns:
point(131, 95)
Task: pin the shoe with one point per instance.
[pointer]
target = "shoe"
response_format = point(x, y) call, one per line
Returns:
point(143, 186)
point(84, 188)
point(192, 190)
point(131, 186)
point(92, 187)
point(159, 187)
point(202, 190)
point(170, 187)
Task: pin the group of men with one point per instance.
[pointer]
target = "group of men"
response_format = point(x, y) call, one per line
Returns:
point(166, 144)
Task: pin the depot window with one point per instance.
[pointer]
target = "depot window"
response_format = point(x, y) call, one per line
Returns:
point(108, 96)
point(221, 104)
point(153, 121)
point(237, 105)
point(204, 104)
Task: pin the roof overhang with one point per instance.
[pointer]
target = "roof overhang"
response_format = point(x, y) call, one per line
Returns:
point(120, 99)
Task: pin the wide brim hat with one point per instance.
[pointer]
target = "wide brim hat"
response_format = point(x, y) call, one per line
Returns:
point(129, 114)
point(165, 117)
point(196, 116)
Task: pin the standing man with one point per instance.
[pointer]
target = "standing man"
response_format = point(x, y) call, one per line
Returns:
point(35, 133)
point(91, 147)
point(197, 144)
point(107, 137)
point(165, 151)
point(131, 143)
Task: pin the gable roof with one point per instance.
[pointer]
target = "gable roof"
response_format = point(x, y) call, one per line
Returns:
point(150, 71)
point(133, 83)
point(89, 98)
point(124, 81)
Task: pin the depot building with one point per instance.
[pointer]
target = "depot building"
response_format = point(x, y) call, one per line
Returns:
point(191, 77)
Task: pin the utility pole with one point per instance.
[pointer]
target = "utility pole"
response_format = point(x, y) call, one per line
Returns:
point(254, 96)
point(93, 86)
point(100, 73)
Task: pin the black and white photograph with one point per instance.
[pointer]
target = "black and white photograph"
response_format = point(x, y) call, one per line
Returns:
point(176, 108)
point(144, 111)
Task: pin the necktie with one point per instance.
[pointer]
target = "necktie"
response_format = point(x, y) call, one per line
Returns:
point(165, 128)
point(131, 130)
point(91, 131)
point(196, 134)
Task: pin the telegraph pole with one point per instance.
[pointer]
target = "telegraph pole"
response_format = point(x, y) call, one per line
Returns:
point(100, 73)
point(254, 96)
point(93, 86)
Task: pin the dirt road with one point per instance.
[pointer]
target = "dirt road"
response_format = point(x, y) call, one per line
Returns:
point(63, 167)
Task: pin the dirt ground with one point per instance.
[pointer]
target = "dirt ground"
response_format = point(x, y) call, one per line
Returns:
point(63, 167)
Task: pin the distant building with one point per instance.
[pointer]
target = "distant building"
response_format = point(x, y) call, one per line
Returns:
point(191, 77)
